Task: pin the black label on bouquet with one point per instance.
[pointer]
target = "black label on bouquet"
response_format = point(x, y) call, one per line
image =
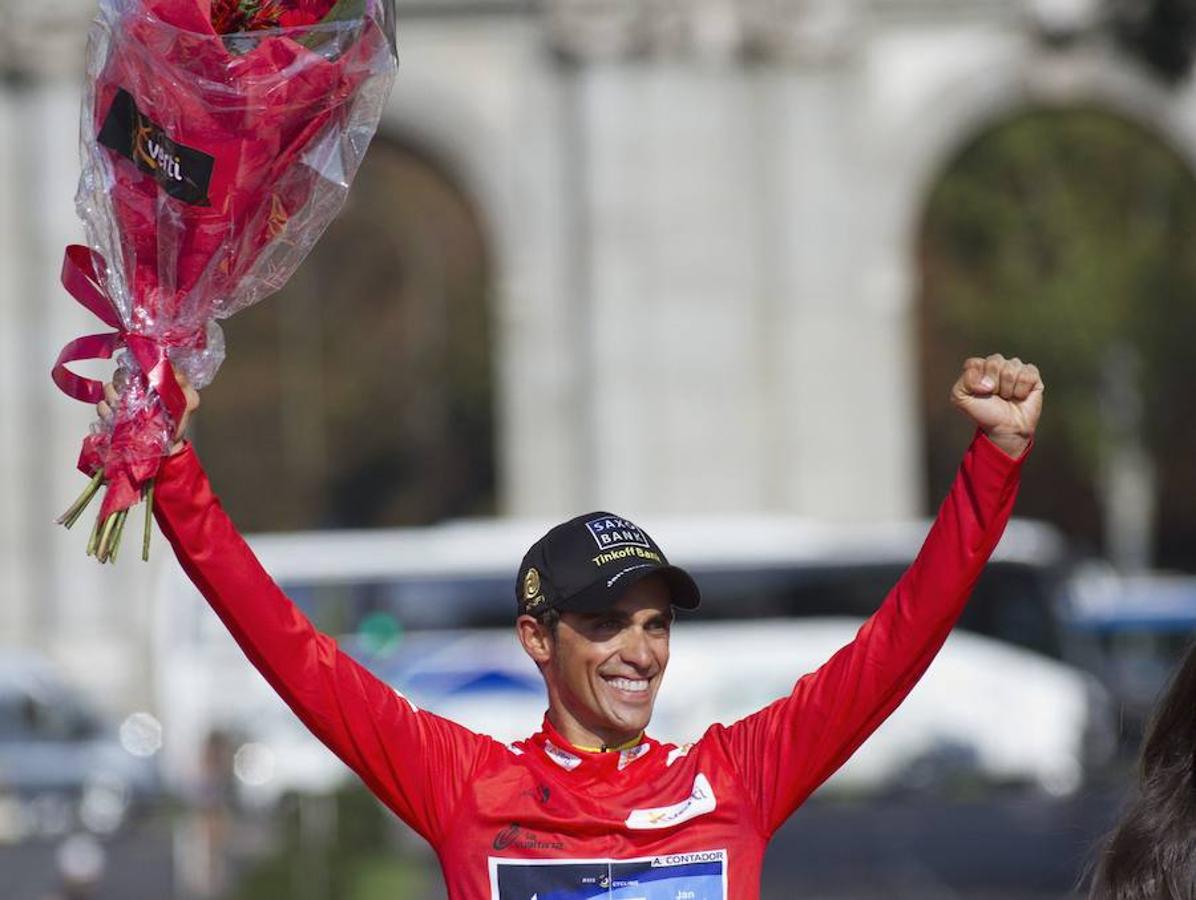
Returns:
point(183, 172)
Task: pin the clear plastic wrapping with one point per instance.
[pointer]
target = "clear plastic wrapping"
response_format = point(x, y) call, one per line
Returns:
point(211, 165)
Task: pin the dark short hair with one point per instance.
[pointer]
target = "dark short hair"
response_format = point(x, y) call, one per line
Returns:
point(550, 619)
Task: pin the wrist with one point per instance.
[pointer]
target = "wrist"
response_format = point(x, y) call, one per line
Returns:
point(1013, 444)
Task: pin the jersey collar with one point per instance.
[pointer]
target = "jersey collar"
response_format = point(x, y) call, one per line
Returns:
point(572, 758)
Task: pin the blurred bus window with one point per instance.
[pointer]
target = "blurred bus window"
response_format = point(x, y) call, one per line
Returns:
point(1011, 602)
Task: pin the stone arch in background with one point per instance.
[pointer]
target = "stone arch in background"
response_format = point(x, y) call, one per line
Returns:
point(1111, 152)
point(362, 394)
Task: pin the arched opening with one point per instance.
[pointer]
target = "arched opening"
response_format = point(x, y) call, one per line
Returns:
point(1069, 237)
point(361, 395)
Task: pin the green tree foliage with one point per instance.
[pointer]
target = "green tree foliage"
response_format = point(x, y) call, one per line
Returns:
point(339, 847)
point(1065, 237)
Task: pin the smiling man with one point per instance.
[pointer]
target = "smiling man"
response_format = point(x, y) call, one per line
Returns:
point(602, 660)
point(591, 806)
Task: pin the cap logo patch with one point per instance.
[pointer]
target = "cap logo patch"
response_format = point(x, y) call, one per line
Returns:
point(531, 583)
point(610, 532)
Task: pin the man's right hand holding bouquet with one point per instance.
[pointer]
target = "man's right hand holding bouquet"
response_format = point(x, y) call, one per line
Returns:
point(106, 408)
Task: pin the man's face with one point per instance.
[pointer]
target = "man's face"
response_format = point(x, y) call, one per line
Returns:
point(606, 667)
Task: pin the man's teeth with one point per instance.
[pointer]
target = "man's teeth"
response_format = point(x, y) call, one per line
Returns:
point(630, 684)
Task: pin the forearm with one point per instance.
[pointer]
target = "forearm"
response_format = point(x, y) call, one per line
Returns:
point(966, 530)
point(868, 679)
point(803, 738)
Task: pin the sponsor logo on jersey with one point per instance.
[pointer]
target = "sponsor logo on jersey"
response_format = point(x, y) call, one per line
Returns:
point(514, 837)
point(562, 758)
point(699, 802)
point(541, 794)
point(610, 532)
point(627, 757)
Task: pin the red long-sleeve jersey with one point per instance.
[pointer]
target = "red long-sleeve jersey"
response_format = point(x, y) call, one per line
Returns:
point(545, 820)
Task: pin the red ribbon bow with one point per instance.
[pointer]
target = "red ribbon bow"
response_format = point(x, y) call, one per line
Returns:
point(130, 456)
point(80, 276)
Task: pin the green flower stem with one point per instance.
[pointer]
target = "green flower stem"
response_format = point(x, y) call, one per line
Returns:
point(149, 519)
point(114, 549)
point(106, 538)
point(93, 542)
point(71, 516)
point(106, 534)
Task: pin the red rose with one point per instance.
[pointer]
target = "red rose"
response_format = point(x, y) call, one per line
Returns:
point(297, 18)
point(318, 9)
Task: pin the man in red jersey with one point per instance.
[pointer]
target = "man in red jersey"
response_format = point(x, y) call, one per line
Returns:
point(591, 806)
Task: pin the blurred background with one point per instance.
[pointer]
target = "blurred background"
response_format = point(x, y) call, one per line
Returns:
point(712, 264)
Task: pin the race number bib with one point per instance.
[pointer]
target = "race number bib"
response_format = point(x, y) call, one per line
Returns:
point(676, 876)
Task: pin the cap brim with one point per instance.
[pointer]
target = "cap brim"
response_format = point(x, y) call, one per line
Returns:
point(683, 590)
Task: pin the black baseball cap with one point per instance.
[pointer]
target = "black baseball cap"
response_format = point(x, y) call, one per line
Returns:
point(585, 565)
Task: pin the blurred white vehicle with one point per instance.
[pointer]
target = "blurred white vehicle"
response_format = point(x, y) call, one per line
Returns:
point(62, 767)
point(430, 611)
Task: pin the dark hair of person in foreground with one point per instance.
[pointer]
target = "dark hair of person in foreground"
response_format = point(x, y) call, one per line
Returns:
point(1151, 854)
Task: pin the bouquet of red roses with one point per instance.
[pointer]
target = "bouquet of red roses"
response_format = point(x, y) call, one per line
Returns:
point(219, 139)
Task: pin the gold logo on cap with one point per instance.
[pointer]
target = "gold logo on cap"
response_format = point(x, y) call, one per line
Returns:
point(535, 601)
point(531, 584)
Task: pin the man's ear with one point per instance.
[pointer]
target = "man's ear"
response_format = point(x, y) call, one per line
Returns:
point(535, 638)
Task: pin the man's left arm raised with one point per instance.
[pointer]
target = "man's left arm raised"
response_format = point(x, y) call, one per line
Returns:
point(785, 751)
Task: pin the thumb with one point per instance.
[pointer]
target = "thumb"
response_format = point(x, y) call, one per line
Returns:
point(192, 398)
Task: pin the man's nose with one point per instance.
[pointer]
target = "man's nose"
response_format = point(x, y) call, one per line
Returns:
point(636, 649)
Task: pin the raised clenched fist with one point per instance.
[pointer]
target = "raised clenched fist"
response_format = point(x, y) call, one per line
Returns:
point(1003, 397)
